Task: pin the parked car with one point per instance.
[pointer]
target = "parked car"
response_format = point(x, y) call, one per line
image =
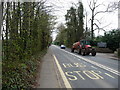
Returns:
point(62, 47)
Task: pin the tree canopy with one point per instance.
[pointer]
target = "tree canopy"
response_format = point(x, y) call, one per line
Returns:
point(112, 38)
point(74, 26)
point(26, 31)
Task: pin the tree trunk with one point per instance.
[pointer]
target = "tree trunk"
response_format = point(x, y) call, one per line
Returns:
point(92, 20)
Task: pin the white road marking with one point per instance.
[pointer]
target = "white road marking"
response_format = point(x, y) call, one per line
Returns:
point(93, 67)
point(109, 75)
point(67, 84)
point(94, 63)
point(99, 71)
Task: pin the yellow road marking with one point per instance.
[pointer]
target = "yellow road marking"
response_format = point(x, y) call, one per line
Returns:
point(64, 65)
point(95, 76)
point(109, 75)
point(67, 84)
point(71, 65)
point(72, 77)
point(95, 63)
point(79, 74)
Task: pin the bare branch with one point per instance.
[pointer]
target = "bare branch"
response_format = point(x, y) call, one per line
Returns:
point(98, 21)
point(96, 26)
point(100, 28)
point(106, 25)
point(107, 10)
point(99, 12)
point(99, 5)
point(93, 6)
point(90, 5)
point(113, 6)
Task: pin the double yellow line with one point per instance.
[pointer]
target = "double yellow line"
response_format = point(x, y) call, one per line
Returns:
point(66, 82)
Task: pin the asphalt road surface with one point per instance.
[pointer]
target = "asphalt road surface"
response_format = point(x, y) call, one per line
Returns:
point(86, 71)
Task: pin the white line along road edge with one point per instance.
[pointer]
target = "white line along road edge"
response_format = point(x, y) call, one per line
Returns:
point(67, 84)
point(93, 62)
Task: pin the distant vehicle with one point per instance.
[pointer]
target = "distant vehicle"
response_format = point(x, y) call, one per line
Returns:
point(83, 47)
point(62, 47)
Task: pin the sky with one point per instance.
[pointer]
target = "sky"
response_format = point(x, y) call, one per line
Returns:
point(61, 7)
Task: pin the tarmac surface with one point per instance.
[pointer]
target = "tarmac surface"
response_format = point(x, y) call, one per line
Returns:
point(63, 69)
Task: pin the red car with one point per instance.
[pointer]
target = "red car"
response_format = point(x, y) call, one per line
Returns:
point(83, 47)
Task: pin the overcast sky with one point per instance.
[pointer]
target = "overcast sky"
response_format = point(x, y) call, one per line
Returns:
point(61, 7)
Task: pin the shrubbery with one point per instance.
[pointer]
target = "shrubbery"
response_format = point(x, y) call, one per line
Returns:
point(26, 33)
point(112, 38)
point(19, 74)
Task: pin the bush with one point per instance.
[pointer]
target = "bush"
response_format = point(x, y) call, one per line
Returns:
point(20, 74)
point(112, 38)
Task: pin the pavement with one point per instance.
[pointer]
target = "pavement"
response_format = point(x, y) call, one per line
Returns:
point(0, 64)
point(48, 75)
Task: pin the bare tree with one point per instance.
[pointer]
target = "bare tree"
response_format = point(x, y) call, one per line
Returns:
point(113, 6)
point(0, 17)
point(93, 5)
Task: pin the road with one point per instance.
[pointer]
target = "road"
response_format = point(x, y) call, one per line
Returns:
point(86, 71)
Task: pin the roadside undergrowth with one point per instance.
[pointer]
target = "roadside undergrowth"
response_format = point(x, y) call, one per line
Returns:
point(21, 74)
